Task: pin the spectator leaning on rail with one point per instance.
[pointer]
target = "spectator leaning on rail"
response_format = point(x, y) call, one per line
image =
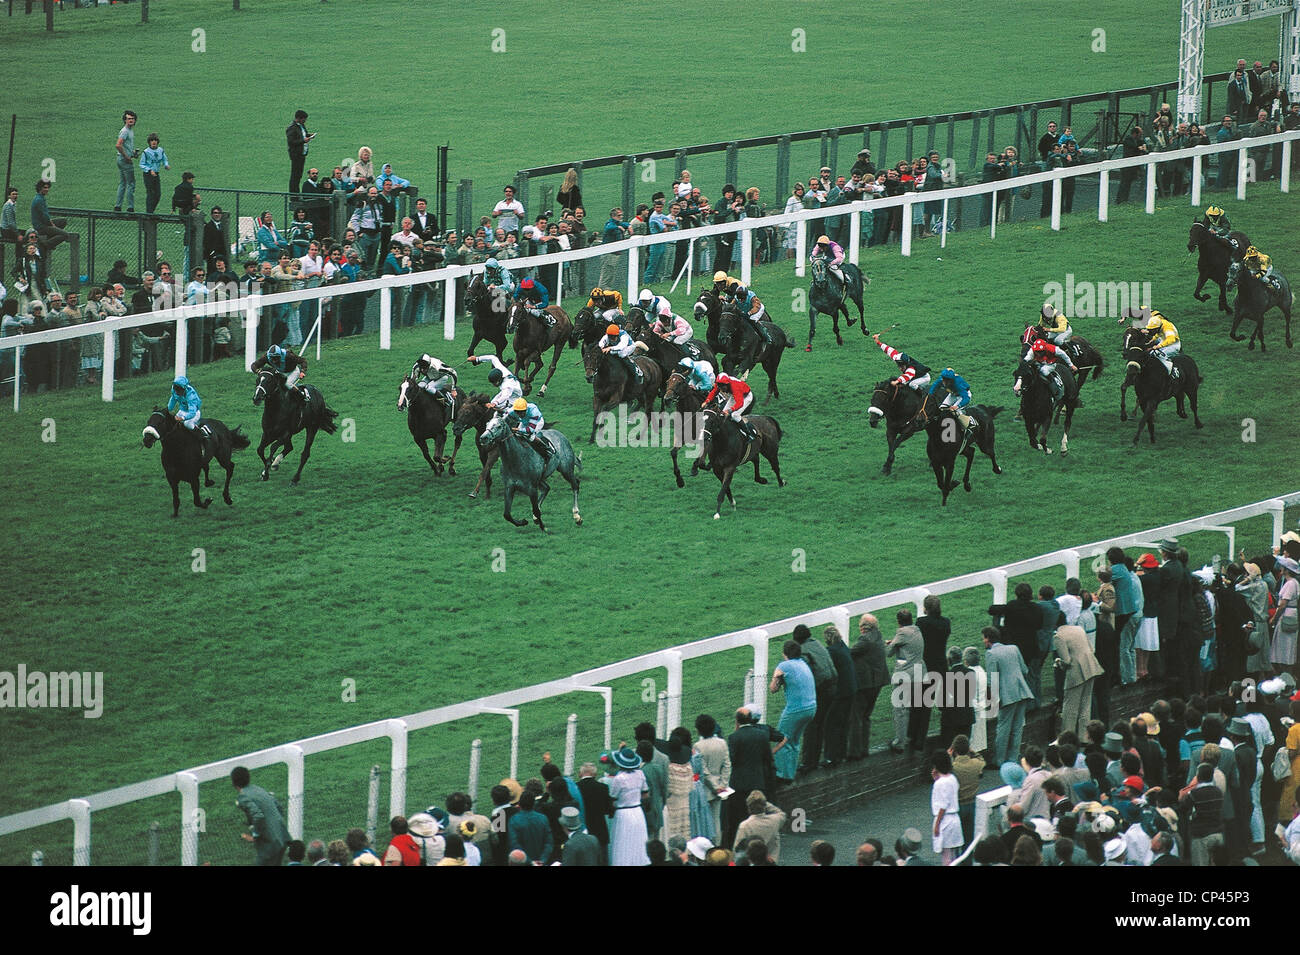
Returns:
point(265, 818)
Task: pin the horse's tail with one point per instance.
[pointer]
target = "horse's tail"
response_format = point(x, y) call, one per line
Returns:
point(239, 440)
point(1097, 368)
point(327, 420)
point(994, 411)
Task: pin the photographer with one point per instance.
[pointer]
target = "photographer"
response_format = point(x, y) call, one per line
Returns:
point(995, 170)
point(1133, 144)
point(730, 209)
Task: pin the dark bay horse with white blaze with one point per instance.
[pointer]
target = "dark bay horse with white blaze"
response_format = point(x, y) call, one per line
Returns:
point(898, 405)
point(745, 348)
point(1214, 260)
point(830, 296)
point(427, 417)
point(612, 384)
point(532, 339)
point(524, 469)
point(947, 440)
point(283, 417)
point(726, 449)
point(488, 310)
point(1037, 406)
point(183, 454)
point(1153, 385)
point(1254, 299)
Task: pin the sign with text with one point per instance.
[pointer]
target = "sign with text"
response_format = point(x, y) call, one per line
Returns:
point(1221, 12)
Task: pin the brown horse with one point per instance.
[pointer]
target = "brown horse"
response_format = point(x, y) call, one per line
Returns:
point(689, 405)
point(612, 384)
point(474, 415)
point(533, 338)
point(727, 450)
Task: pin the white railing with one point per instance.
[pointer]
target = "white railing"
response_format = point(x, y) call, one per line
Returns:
point(250, 307)
point(79, 810)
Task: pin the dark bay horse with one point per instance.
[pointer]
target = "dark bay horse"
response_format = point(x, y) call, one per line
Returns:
point(689, 405)
point(283, 417)
point(898, 405)
point(588, 328)
point(726, 449)
point(667, 355)
point(1086, 358)
point(184, 456)
point(474, 414)
point(1215, 257)
point(830, 296)
point(1254, 299)
point(1153, 385)
point(612, 384)
point(488, 310)
point(745, 348)
point(947, 440)
point(427, 417)
point(708, 307)
point(1037, 406)
point(523, 468)
point(532, 340)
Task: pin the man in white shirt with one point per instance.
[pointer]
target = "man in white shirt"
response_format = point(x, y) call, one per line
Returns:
point(312, 263)
point(509, 212)
point(406, 236)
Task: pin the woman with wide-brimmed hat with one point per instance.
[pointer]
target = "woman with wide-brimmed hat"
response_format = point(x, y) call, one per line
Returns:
point(1284, 621)
point(629, 793)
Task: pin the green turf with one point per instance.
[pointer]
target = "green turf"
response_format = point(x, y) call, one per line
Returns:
point(376, 571)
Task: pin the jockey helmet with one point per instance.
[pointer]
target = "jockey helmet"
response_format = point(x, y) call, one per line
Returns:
point(597, 293)
point(492, 264)
point(527, 283)
point(1251, 253)
point(426, 360)
point(612, 331)
point(1214, 212)
point(274, 352)
point(739, 291)
point(1049, 310)
point(520, 405)
point(823, 240)
point(495, 376)
point(178, 387)
point(720, 276)
point(948, 375)
point(645, 296)
point(687, 363)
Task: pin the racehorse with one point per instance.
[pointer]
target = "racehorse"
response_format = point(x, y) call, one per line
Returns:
point(588, 328)
point(612, 384)
point(1086, 358)
point(1254, 299)
point(488, 311)
point(667, 355)
point(184, 456)
point(636, 322)
point(1152, 384)
point(523, 469)
point(745, 348)
point(1215, 257)
point(726, 449)
point(897, 404)
point(830, 296)
point(475, 413)
point(689, 406)
point(946, 440)
point(532, 340)
point(709, 306)
point(1037, 407)
point(427, 417)
point(283, 417)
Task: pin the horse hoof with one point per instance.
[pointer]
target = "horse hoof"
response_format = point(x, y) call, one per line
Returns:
point(177, 514)
point(451, 470)
point(1047, 451)
point(265, 476)
point(542, 393)
point(293, 483)
point(760, 480)
point(208, 482)
point(717, 516)
point(839, 340)
point(996, 469)
point(851, 322)
point(473, 495)
point(229, 500)
point(681, 482)
point(809, 348)
point(577, 518)
point(206, 502)
point(1199, 425)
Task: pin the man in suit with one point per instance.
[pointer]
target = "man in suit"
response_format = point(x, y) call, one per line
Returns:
point(655, 767)
point(715, 768)
point(503, 811)
point(1075, 657)
point(426, 223)
point(871, 673)
point(1007, 672)
point(1162, 844)
point(297, 136)
point(1052, 618)
point(269, 834)
point(581, 848)
point(531, 832)
point(214, 239)
point(909, 646)
point(908, 848)
point(596, 803)
point(752, 767)
point(1019, 621)
point(825, 676)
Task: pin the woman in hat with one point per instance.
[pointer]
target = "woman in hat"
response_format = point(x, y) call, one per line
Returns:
point(1287, 807)
point(628, 791)
point(1254, 591)
point(1148, 633)
point(1284, 621)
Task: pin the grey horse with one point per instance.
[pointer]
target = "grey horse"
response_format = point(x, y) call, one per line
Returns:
point(523, 468)
point(1254, 299)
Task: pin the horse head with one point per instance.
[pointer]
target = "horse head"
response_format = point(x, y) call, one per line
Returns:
point(636, 321)
point(1234, 275)
point(494, 433)
point(675, 382)
point(474, 413)
point(159, 424)
point(592, 359)
point(1025, 373)
point(404, 393)
point(266, 385)
point(581, 322)
point(514, 316)
point(882, 400)
point(1031, 334)
point(819, 271)
point(1195, 235)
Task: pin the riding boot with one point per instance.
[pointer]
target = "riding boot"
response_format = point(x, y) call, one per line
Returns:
point(747, 430)
point(541, 446)
point(206, 440)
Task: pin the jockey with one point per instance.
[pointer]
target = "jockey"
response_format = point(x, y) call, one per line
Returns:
point(1053, 325)
point(1163, 340)
point(676, 329)
point(748, 304)
point(607, 304)
point(914, 374)
point(739, 400)
point(1046, 355)
point(699, 375)
point(498, 276)
point(1216, 220)
point(655, 306)
point(1261, 266)
point(956, 396)
point(536, 300)
point(508, 385)
point(723, 283)
point(526, 421)
point(833, 253)
point(287, 363)
point(438, 379)
point(185, 405)
point(619, 343)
